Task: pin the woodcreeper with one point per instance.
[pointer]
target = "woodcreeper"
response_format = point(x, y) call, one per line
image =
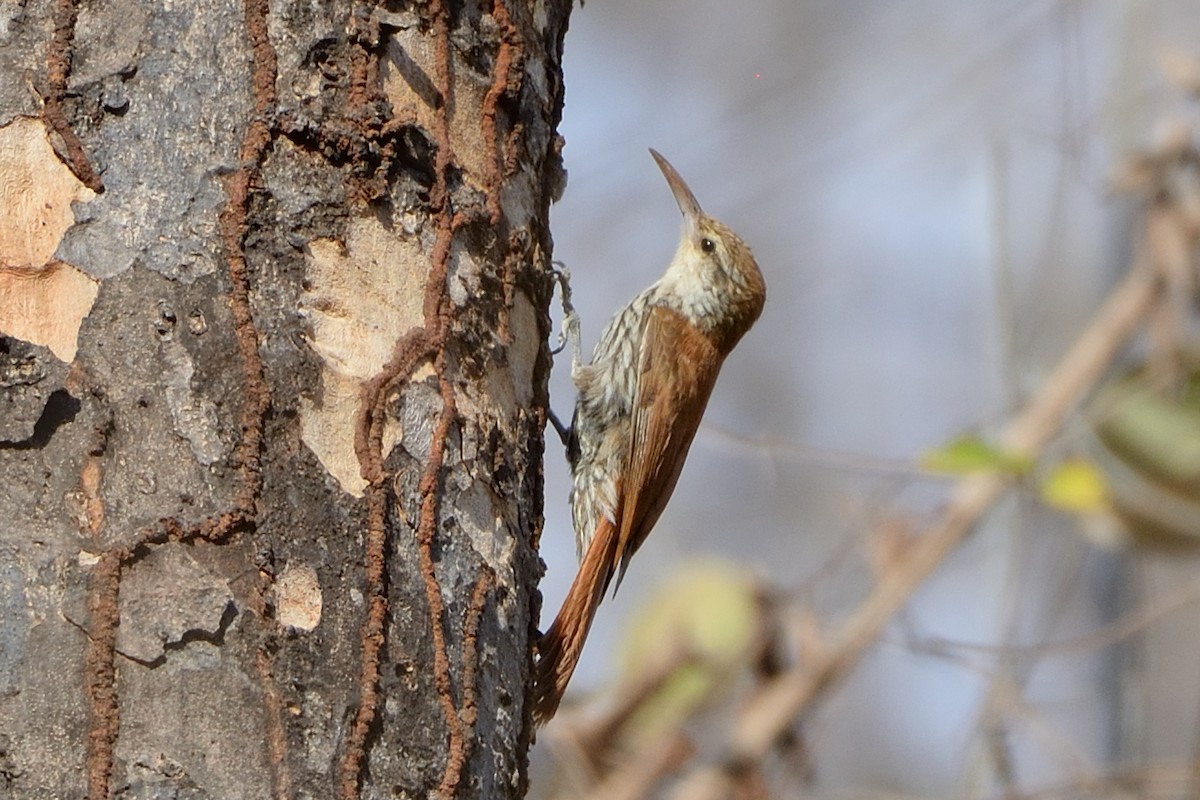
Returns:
point(639, 404)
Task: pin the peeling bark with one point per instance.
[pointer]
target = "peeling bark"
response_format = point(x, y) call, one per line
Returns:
point(272, 391)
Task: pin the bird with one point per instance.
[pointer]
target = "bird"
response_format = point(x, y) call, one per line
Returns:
point(639, 404)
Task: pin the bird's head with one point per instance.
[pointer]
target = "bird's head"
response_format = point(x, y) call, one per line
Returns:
point(713, 274)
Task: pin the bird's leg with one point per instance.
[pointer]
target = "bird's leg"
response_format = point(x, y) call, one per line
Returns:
point(564, 431)
point(569, 334)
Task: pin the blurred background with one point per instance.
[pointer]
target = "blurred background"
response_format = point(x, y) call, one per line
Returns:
point(928, 188)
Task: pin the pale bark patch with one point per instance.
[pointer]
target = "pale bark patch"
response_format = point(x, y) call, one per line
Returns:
point(408, 84)
point(298, 600)
point(42, 300)
point(359, 303)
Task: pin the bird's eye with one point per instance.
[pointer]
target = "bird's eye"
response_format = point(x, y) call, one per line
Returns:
point(707, 245)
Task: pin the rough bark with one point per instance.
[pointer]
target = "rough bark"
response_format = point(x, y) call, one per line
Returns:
point(273, 313)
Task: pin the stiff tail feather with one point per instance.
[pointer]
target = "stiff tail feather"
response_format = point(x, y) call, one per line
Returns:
point(560, 647)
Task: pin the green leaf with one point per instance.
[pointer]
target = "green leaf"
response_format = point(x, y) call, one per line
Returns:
point(968, 454)
point(1076, 486)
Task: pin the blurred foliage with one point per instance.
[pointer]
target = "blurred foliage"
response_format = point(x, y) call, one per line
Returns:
point(1147, 442)
point(707, 610)
point(968, 454)
point(1157, 432)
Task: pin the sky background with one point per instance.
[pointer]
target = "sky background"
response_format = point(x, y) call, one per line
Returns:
point(926, 188)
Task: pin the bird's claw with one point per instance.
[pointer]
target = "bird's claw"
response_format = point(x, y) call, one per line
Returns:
point(571, 326)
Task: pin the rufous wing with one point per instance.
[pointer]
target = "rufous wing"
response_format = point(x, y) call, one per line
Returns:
point(679, 366)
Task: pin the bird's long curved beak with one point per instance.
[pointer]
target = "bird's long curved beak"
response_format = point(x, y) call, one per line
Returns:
point(683, 195)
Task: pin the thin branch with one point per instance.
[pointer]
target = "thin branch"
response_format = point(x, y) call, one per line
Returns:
point(593, 739)
point(635, 779)
point(781, 449)
point(1113, 633)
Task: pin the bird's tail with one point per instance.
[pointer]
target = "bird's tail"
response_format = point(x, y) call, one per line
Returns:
point(560, 647)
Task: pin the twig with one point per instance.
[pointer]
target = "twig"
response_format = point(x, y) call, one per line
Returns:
point(638, 776)
point(1113, 633)
point(782, 449)
point(1163, 779)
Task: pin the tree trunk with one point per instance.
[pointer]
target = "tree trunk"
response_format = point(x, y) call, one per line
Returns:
point(273, 299)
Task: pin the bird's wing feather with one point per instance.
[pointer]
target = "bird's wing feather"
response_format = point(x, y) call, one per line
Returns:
point(678, 369)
